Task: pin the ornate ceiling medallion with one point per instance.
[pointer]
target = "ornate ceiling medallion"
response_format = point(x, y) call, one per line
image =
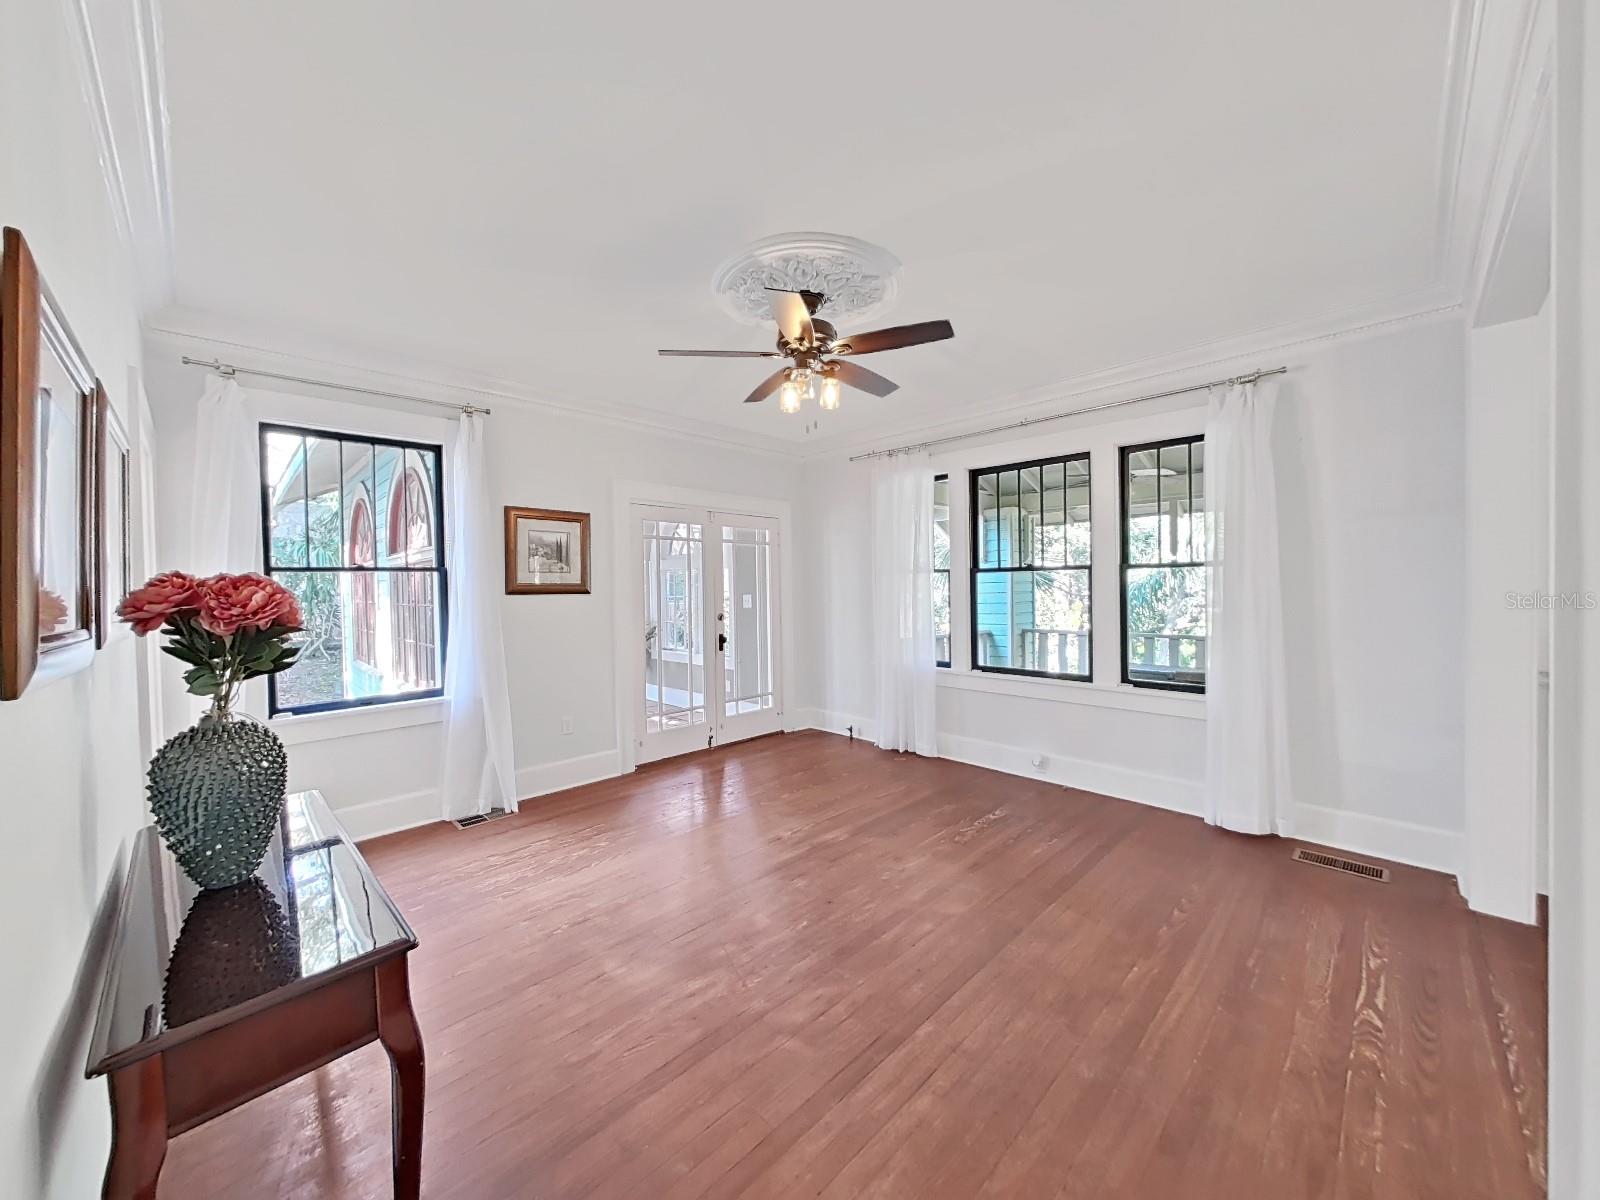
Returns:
point(858, 278)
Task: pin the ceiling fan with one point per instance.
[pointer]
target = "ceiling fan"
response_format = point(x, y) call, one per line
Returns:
point(817, 354)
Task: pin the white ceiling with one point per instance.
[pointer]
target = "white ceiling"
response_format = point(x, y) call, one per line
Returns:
point(540, 193)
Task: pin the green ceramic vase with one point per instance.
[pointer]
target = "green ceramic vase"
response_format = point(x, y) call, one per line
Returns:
point(217, 791)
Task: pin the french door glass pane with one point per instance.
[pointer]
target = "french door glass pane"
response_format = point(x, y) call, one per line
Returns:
point(674, 634)
point(747, 620)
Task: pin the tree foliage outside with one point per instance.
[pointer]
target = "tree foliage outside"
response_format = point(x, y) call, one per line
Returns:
point(317, 591)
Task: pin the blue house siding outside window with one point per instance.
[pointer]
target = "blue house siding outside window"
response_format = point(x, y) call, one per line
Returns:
point(1030, 573)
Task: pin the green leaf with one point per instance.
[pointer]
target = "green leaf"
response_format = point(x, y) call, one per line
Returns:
point(185, 653)
point(194, 674)
point(206, 687)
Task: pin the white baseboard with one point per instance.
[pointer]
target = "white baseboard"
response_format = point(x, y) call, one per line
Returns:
point(1123, 783)
point(1399, 841)
point(543, 778)
point(1358, 833)
point(394, 813)
point(389, 815)
point(835, 722)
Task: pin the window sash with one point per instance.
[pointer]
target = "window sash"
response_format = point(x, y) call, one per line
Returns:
point(409, 452)
point(1177, 679)
point(947, 633)
point(1009, 561)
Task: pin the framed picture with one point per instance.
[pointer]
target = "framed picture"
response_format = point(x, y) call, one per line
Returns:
point(113, 473)
point(547, 551)
point(48, 401)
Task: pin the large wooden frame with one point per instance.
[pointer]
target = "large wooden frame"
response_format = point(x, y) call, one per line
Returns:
point(31, 324)
point(113, 527)
point(515, 584)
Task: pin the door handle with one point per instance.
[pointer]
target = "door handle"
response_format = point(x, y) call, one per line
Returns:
point(722, 643)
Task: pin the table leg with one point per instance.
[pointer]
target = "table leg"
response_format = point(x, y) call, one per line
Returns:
point(397, 1030)
point(138, 1130)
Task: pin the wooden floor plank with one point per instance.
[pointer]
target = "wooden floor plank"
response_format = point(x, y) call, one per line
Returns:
point(804, 967)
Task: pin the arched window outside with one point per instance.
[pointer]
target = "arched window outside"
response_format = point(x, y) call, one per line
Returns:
point(363, 586)
point(411, 542)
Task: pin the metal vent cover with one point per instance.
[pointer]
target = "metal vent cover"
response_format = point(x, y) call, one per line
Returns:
point(494, 814)
point(1348, 865)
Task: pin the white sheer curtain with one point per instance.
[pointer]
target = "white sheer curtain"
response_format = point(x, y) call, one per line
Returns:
point(479, 764)
point(225, 507)
point(1247, 778)
point(225, 521)
point(902, 603)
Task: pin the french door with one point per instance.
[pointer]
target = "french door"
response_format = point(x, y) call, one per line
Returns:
point(709, 584)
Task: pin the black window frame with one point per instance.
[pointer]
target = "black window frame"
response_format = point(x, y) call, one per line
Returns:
point(440, 569)
point(945, 571)
point(975, 570)
point(1196, 688)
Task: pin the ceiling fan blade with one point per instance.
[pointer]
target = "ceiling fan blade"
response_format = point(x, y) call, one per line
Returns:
point(793, 316)
point(719, 353)
point(767, 386)
point(895, 337)
point(861, 379)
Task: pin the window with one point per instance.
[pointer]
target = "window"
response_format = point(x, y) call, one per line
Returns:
point(941, 570)
point(352, 529)
point(1030, 568)
point(363, 590)
point(1164, 572)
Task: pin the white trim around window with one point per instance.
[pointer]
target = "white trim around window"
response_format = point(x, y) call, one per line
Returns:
point(1102, 443)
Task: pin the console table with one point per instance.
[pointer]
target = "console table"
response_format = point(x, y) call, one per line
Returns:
point(211, 998)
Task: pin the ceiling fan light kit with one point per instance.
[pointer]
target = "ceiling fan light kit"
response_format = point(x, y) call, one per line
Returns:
point(818, 356)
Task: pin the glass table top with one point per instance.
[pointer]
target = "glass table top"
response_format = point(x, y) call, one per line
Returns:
point(184, 961)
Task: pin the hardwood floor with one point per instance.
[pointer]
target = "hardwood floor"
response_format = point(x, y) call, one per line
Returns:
point(807, 967)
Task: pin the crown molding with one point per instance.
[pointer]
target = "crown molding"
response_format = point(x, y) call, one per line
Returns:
point(1249, 350)
point(342, 365)
point(124, 83)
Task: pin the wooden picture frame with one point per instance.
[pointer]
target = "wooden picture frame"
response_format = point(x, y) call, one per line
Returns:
point(49, 398)
point(547, 552)
point(113, 533)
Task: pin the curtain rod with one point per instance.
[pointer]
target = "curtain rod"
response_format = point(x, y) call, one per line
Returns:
point(1251, 377)
point(228, 370)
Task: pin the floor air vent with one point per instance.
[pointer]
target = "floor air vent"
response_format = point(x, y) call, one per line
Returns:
point(1348, 865)
point(494, 814)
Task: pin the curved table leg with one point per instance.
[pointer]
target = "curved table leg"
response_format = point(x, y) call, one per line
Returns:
point(397, 1030)
point(138, 1130)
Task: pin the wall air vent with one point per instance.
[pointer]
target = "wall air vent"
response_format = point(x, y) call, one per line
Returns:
point(494, 814)
point(1348, 865)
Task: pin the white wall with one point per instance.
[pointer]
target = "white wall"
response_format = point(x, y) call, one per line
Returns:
point(1370, 449)
point(1575, 634)
point(1508, 408)
point(380, 773)
point(71, 748)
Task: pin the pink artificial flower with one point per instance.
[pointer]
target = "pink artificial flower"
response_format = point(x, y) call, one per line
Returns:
point(166, 595)
point(229, 603)
point(52, 611)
